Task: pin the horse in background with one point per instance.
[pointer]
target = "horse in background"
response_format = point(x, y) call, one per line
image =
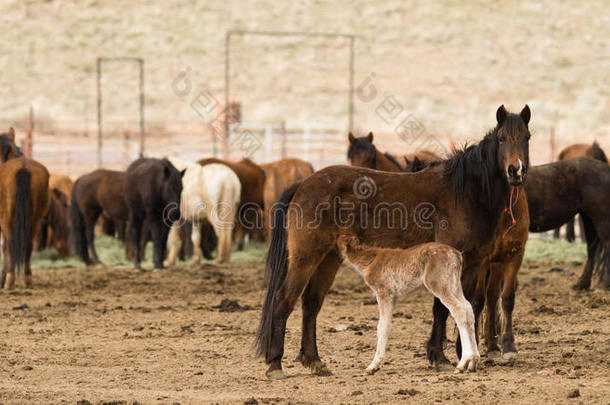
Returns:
point(363, 153)
point(61, 182)
point(470, 198)
point(585, 150)
point(252, 179)
point(24, 200)
point(101, 192)
point(152, 191)
point(211, 192)
point(280, 175)
point(558, 191)
point(55, 227)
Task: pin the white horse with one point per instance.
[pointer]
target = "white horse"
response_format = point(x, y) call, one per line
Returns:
point(209, 192)
point(394, 272)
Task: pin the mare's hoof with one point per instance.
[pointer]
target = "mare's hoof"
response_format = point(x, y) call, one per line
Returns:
point(581, 285)
point(320, 370)
point(510, 357)
point(276, 374)
point(443, 367)
point(494, 355)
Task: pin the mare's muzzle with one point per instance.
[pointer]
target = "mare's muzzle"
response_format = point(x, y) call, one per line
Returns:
point(516, 174)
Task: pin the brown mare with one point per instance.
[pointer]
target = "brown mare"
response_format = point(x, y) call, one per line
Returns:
point(252, 179)
point(585, 150)
point(362, 153)
point(505, 263)
point(460, 202)
point(24, 200)
point(279, 175)
point(96, 193)
point(61, 182)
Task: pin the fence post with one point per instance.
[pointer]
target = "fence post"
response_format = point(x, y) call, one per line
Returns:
point(29, 135)
point(307, 136)
point(283, 138)
point(552, 148)
point(268, 142)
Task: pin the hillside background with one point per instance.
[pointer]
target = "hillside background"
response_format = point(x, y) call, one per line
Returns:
point(450, 64)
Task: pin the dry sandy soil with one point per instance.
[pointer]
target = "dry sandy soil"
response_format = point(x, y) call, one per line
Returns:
point(116, 336)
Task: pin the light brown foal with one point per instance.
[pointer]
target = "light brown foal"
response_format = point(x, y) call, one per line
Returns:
point(394, 272)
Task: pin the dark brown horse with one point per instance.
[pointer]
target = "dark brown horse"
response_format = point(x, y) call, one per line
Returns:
point(362, 153)
point(96, 193)
point(24, 200)
point(280, 175)
point(55, 227)
point(152, 192)
point(558, 191)
point(585, 150)
point(252, 179)
point(460, 202)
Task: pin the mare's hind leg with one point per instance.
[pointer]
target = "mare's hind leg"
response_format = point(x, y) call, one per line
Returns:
point(159, 236)
point(508, 304)
point(27, 271)
point(442, 280)
point(313, 298)
point(8, 272)
point(434, 347)
point(135, 237)
point(300, 269)
point(570, 233)
point(385, 301)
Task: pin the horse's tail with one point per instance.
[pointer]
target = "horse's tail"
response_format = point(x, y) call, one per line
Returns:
point(599, 253)
point(20, 241)
point(276, 267)
point(77, 228)
point(598, 153)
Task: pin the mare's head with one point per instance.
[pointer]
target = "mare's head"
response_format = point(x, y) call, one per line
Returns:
point(414, 165)
point(171, 190)
point(512, 136)
point(361, 151)
point(8, 148)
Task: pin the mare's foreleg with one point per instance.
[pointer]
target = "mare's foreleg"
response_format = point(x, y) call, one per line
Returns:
point(508, 304)
point(135, 237)
point(492, 293)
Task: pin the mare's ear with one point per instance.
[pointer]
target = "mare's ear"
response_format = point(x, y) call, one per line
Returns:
point(526, 114)
point(351, 138)
point(416, 161)
point(166, 172)
point(370, 137)
point(182, 173)
point(11, 134)
point(501, 115)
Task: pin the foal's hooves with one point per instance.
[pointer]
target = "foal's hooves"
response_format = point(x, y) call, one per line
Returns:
point(443, 367)
point(320, 370)
point(471, 365)
point(275, 374)
point(494, 355)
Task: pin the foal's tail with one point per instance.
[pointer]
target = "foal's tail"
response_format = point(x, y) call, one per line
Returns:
point(20, 241)
point(275, 269)
point(77, 228)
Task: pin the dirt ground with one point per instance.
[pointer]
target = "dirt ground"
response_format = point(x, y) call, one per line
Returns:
point(116, 336)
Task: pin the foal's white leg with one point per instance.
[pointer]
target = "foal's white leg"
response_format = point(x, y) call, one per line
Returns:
point(173, 239)
point(445, 284)
point(196, 238)
point(385, 302)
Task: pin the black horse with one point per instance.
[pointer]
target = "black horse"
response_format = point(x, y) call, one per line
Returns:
point(152, 192)
point(558, 191)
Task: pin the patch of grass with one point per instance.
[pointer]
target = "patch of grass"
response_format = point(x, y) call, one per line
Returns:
point(112, 253)
point(552, 249)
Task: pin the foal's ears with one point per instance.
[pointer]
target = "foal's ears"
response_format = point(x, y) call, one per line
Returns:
point(370, 136)
point(525, 114)
point(501, 115)
point(11, 134)
point(350, 137)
